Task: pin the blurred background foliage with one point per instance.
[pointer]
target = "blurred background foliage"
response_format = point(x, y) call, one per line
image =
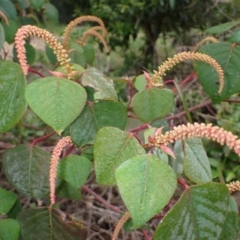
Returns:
point(126, 19)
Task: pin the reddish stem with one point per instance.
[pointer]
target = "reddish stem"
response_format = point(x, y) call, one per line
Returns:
point(41, 138)
point(178, 115)
point(183, 183)
point(69, 151)
point(35, 71)
point(138, 129)
point(145, 234)
point(100, 199)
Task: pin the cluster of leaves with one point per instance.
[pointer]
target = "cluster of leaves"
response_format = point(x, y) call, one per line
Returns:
point(146, 179)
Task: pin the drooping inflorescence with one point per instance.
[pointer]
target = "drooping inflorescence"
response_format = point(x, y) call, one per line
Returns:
point(168, 64)
point(53, 165)
point(47, 37)
point(93, 32)
point(77, 21)
point(196, 130)
point(206, 39)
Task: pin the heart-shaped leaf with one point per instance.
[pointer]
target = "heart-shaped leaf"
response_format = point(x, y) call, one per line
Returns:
point(228, 57)
point(7, 200)
point(57, 101)
point(199, 214)
point(12, 100)
point(112, 147)
point(101, 84)
point(196, 164)
point(27, 169)
point(152, 103)
point(146, 185)
point(48, 224)
point(9, 229)
point(95, 116)
point(74, 169)
point(65, 190)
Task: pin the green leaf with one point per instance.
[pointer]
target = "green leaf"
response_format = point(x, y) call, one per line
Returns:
point(57, 101)
point(27, 169)
point(152, 103)
point(15, 210)
point(44, 223)
point(10, 30)
point(228, 57)
point(235, 38)
point(199, 214)
point(140, 82)
point(65, 190)
point(7, 200)
point(9, 229)
point(12, 100)
point(51, 55)
point(30, 54)
point(177, 164)
point(112, 147)
point(9, 9)
point(95, 116)
point(196, 164)
point(231, 227)
point(221, 27)
point(77, 53)
point(37, 3)
point(103, 86)
point(89, 53)
point(146, 185)
point(74, 169)
point(50, 13)
point(23, 3)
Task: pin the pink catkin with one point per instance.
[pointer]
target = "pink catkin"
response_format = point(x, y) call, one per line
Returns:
point(197, 130)
point(53, 165)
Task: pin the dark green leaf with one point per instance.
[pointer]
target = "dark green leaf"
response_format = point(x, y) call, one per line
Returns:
point(51, 55)
point(196, 164)
point(57, 101)
point(47, 224)
point(30, 54)
point(146, 185)
point(12, 100)
point(65, 190)
point(77, 54)
point(7, 200)
point(95, 116)
point(152, 103)
point(103, 86)
point(228, 57)
point(221, 27)
point(9, 229)
point(27, 169)
point(9, 9)
point(199, 214)
point(74, 169)
point(10, 30)
point(50, 13)
point(23, 3)
point(37, 3)
point(15, 210)
point(112, 147)
point(235, 38)
point(89, 53)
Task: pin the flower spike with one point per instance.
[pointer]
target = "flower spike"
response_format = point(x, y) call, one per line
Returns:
point(46, 36)
point(77, 21)
point(167, 65)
